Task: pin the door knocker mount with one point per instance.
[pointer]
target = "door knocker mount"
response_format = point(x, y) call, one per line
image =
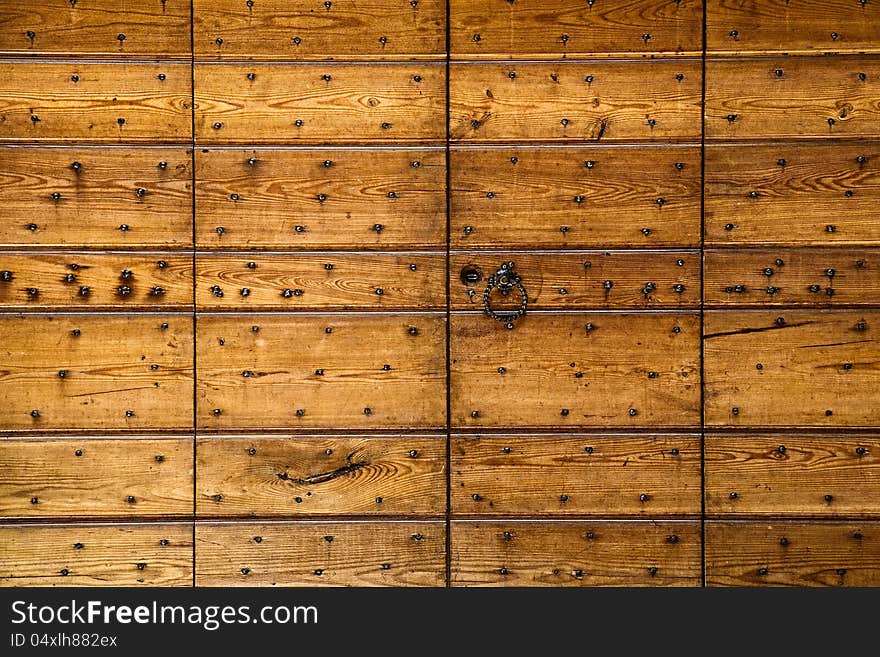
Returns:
point(505, 280)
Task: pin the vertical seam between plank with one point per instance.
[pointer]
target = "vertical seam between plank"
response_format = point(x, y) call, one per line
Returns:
point(703, 305)
point(192, 90)
point(448, 544)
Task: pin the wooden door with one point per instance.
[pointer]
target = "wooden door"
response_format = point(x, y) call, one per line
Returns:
point(439, 293)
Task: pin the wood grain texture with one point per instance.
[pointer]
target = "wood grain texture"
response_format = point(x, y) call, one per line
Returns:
point(571, 280)
point(791, 368)
point(297, 104)
point(829, 475)
point(555, 103)
point(298, 282)
point(790, 553)
point(572, 28)
point(260, 379)
point(149, 191)
point(96, 555)
point(810, 194)
point(592, 475)
point(585, 553)
point(105, 28)
point(309, 29)
point(106, 281)
point(555, 372)
point(108, 381)
point(791, 98)
point(99, 103)
point(793, 26)
point(321, 554)
point(340, 199)
point(96, 478)
point(792, 277)
point(575, 197)
point(274, 476)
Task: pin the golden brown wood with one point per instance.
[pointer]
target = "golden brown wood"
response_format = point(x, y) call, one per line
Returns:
point(309, 29)
point(574, 28)
point(575, 197)
point(624, 101)
point(829, 475)
point(329, 281)
point(575, 371)
point(783, 98)
point(43, 281)
point(793, 26)
point(791, 368)
point(340, 199)
point(575, 475)
point(116, 28)
point(586, 553)
point(102, 103)
point(149, 191)
point(95, 478)
point(811, 194)
point(264, 371)
point(96, 555)
point(565, 280)
point(792, 277)
point(67, 372)
point(286, 104)
point(321, 554)
point(274, 476)
point(792, 553)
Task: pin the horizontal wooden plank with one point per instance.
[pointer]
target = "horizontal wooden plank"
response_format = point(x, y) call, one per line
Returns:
point(321, 554)
point(792, 277)
point(43, 281)
point(576, 370)
point(306, 104)
point(791, 368)
point(810, 194)
point(96, 478)
point(101, 103)
point(573, 28)
point(788, 98)
point(339, 199)
point(96, 555)
point(793, 553)
point(586, 553)
point(288, 476)
point(107, 198)
point(305, 29)
point(575, 102)
point(111, 372)
point(263, 371)
point(575, 475)
point(329, 281)
point(111, 28)
point(793, 26)
point(583, 279)
point(575, 197)
point(829, 475)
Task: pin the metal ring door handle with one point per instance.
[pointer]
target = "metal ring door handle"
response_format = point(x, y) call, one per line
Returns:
point(505, 280)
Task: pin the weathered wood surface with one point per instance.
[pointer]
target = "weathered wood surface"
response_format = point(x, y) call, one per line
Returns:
point(575, 370)
point(320, 199)
point(321, 371)
point(793, 475)
point(575, 197)
point(109, 372)
point(321, 554)
point(793, 553)
point(575, 102)
point(96, 555)
point(96, 478)
point(791, 368)
point(285, 476)
point(582, 553)
point(593, 475)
